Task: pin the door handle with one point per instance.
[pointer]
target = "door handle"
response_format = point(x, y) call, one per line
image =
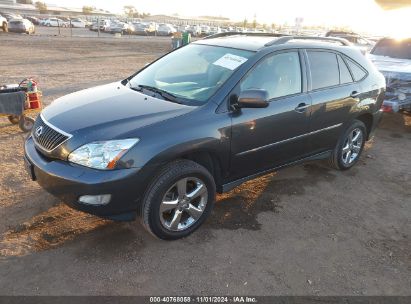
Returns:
point(355, 94)
point(302, 107)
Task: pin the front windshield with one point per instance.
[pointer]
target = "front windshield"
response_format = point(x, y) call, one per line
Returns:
point(192, 73)
point(393, 48)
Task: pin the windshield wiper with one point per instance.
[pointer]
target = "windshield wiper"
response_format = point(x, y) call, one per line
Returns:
point(166, 95)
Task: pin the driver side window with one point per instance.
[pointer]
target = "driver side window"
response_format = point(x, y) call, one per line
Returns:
point(279, 75)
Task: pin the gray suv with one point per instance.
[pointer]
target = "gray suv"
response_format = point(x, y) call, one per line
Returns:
point(204, 119)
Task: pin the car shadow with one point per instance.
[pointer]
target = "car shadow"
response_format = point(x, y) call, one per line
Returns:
point(239, 208)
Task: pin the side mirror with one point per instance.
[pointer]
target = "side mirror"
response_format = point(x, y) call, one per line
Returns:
point(254, 98)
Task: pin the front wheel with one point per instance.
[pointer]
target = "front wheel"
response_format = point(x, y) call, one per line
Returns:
point(178, 200)
point(349, 147)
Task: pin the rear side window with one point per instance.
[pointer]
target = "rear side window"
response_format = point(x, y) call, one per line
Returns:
point(324, 69)
point(357, 71)
point(345, 76)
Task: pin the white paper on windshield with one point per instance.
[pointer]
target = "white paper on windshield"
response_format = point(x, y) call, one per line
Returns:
point(230, 61)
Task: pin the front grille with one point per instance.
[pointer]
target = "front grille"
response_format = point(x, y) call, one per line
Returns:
point(46, 136)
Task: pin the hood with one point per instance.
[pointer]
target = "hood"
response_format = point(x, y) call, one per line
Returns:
point(113, 108)
point(388, 64)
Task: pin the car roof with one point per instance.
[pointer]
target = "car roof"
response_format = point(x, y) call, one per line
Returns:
point(244, 42)
point(255, 42)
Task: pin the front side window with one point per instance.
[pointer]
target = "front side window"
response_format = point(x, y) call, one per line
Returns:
point(324, 69)
point(279, 75)
point(192, 73)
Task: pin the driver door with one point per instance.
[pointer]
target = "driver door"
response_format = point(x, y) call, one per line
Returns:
point(269, 137)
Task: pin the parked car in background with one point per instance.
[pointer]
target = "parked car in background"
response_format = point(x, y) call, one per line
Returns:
point(165, 30)
point(4, 24)
point(182, 28)
point(103, 25)
point(357, 40)
point(42, 21)
point(140, 29)
point(152, 28)
point(94, 26)
point(214, 30)
point(202, 119)
point(33, 20)
point(21, 26)
point(194, 30)
point(121, 28)
point(55, 22)
point(10, 16)
point(77, 22)
point(205, 30)
point(393, 59)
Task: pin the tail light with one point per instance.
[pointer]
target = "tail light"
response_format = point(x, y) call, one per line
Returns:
point(386, 108)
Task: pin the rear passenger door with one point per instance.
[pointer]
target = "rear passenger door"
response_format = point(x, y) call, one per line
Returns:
point(333, 93)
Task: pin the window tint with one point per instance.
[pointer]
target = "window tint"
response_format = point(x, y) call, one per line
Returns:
point(345, 76)
point(324, 69)
point(357, 71)
point(279, 75)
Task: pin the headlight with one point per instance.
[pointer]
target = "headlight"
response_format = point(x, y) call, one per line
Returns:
point(102, 154)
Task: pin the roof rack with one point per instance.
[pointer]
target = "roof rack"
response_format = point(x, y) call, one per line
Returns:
point(226, 34)
point(285, 39)
point(281, 38)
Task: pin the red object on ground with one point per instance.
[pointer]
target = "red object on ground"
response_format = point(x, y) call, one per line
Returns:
point(34, 100)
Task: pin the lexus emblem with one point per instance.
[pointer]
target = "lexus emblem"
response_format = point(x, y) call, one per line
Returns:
point(39, 131)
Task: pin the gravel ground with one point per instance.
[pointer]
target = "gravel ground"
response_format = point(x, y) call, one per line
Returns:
point(307, 230)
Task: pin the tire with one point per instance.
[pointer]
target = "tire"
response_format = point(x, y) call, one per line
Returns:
point(14, 119)
point(5, 27)
point(26, 123)
point(344, 160)
point(176, 220)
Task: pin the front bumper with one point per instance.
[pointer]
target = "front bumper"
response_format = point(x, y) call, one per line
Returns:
point(69, 181)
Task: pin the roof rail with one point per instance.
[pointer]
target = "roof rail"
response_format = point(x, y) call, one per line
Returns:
point(285, 39)
point(226, 34)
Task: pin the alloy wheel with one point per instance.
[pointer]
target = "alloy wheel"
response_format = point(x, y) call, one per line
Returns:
point(183, 204)
point(352, 146)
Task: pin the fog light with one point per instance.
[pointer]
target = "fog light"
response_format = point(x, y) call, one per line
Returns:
point(103, 199)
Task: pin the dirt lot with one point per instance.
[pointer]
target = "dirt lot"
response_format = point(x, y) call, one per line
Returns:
point(306, 230)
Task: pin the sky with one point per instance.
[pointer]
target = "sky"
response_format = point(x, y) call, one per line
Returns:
point(361, 15)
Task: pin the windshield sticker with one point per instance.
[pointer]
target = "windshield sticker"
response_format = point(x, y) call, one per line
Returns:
point(230, 61)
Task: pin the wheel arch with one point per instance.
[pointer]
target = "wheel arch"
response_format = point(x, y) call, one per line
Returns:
point(209, 160)
point(367, 119)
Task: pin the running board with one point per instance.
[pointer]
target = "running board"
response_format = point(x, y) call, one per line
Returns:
point(231, 185)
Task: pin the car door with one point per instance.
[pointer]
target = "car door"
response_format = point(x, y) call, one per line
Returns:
point(333, 93)
point(269, 137)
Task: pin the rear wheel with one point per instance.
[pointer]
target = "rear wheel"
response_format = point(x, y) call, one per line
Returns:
point(14, 119)
point(349, 147)
point(5, 27)
point(178, 200)
point(26, 123)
